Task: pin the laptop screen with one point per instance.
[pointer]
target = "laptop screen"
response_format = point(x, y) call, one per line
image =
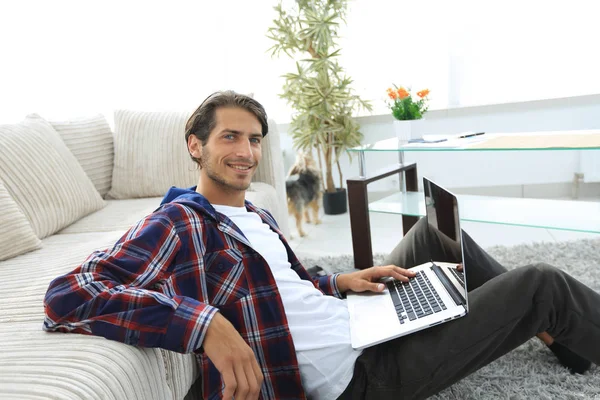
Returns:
point(441, 209)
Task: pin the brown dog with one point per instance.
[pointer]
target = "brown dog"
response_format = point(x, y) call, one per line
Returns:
point(303, 189)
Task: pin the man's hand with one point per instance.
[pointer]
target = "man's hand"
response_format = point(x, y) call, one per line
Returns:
point(234, 359)
point(368, 279)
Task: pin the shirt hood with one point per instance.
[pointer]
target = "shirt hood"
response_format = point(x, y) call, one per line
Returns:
point(195, 200)
point(175, 192)
point(191, 198)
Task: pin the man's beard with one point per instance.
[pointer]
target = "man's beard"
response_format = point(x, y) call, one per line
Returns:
point(216, 177)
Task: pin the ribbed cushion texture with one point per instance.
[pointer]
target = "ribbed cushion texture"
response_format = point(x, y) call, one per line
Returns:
point(38, 364)
point(51, 183)
point(44, 177)
point(118, 215)
point(271, 170)
point(91, 142)
point(265, 196)
point(150, 154)
point(16, 235)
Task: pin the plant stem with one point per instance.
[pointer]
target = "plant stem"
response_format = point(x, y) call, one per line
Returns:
point(340, 171)
point(320, 168)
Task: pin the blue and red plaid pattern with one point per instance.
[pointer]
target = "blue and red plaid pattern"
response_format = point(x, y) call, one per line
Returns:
point(163, 281)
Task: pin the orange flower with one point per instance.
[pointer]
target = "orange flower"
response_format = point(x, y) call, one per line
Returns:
point(392, 94)
point(402, 93)
point(423, 93)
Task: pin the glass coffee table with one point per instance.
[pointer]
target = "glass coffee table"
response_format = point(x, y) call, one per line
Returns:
point(569, 215)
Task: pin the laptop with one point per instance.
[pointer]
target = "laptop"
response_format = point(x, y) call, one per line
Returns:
point(437, 294)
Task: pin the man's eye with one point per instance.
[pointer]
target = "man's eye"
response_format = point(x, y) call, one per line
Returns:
point(255, 140)
point(228, 136)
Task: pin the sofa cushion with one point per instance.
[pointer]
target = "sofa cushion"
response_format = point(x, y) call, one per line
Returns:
point(123, 214)
point(150, 154)
point(16, 235)
point(44, 177)
point(271, 171)
point(91, 142)
point(265, 196)
point(117, 215)
point(74, 365)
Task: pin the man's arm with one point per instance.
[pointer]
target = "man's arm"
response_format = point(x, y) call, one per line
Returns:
point(111, 294)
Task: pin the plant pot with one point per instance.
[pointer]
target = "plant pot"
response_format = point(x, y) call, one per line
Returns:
point(335, 203)
point(408, 129)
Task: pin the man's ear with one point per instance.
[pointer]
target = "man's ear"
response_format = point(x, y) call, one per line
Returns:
point(194, 146)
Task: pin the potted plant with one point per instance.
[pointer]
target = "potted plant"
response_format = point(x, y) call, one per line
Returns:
point(319, 91)
point(405, 109)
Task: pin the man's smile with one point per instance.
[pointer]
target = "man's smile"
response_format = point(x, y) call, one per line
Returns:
point(241, 167)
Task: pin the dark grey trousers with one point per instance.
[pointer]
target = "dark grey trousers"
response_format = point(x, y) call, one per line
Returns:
point(506, 308)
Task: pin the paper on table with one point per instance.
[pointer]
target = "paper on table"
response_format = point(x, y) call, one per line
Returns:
point(450, 143)
point(565, 139)
point(461, 135)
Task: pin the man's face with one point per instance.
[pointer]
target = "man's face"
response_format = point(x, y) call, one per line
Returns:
point(233, 150)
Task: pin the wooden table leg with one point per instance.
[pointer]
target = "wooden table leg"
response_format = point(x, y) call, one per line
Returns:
point(412, 185)
point(358, 206)
point(360, 224)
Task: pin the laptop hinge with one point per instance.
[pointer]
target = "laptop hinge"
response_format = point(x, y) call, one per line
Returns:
point(452, 291)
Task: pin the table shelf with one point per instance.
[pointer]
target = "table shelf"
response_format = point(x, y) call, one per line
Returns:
point(568, 215)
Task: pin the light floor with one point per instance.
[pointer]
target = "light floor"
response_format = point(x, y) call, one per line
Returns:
point(332, 237)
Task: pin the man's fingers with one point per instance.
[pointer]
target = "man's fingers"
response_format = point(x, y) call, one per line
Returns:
point(373, 287)
point(398, 273)
point(230, 383)
point(258, 375)
point(252, 378)
point(234, 359)
point(242, 388)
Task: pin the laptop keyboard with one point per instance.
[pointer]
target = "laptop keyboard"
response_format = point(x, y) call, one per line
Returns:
point(415, 298)
point(459, 275)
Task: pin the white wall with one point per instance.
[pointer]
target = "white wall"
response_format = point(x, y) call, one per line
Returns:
point(512, 50)
point(69, 58)
point(484, 169)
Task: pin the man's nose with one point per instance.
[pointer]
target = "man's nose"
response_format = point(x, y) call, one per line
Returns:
point(244, 149)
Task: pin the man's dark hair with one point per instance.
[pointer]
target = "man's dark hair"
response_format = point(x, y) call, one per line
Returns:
point(203, 120)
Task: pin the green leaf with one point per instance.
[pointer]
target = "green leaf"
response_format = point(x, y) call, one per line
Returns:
point(319, 92)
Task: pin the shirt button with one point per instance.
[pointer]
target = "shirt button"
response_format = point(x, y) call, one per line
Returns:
point(220, 267)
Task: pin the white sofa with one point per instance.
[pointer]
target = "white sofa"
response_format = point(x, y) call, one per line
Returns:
point(66, 189)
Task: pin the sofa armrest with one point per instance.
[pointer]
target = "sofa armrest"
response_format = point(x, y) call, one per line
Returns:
point(271, 170)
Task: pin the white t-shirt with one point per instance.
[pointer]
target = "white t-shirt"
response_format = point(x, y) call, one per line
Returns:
point(319, 324)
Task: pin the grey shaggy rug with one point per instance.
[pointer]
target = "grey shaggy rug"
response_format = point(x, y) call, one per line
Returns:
point(530, 371)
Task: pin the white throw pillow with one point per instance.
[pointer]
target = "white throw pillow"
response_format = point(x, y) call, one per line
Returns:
point(150, 154)
point(16, 235)
point(44, 177)
point(91, 142)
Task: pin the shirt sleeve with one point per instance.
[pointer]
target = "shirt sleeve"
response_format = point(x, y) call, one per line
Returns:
point(113, 293)
point(328, 285)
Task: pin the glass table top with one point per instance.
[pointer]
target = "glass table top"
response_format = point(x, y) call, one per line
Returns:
point(578, 140)
point(579, 216)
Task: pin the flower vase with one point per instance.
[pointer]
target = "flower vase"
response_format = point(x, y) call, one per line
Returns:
point(403, 131)
point(408, 129)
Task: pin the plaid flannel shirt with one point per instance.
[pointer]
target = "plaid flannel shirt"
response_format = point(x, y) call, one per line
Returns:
point(163, 281)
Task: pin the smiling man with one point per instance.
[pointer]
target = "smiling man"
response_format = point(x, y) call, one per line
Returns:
point(211, 274)
point(229, 156)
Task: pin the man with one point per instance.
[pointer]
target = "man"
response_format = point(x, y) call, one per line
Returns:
point(210, 273)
